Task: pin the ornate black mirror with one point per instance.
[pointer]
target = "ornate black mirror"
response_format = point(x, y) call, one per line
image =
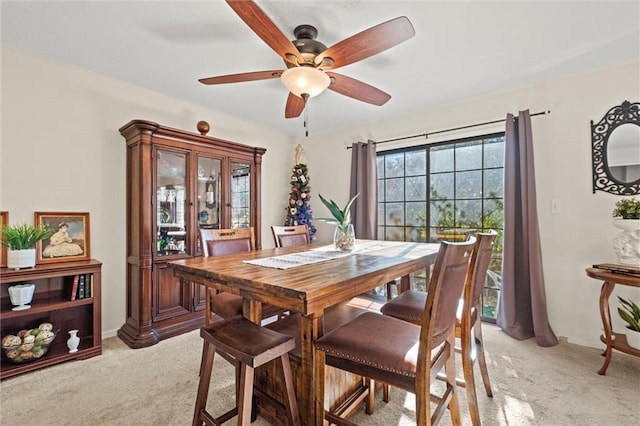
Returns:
point(615, 149)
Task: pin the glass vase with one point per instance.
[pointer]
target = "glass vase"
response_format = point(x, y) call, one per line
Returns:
point(344, 239)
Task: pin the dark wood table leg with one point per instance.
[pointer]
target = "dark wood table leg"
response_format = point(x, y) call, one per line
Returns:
point(311, 330)
point(605, 292)
point(252, 310)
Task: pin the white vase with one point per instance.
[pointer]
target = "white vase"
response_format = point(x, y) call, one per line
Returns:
point(73, 341)
point(17, 259)
point(633, 338)
point(21, 296)
point(344, 241)
point(627, 243)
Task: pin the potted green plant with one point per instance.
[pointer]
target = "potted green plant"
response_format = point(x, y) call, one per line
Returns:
point(628, 208)
point(21, 242)
point(626, 216)
point(344, 235)
point(630, 313)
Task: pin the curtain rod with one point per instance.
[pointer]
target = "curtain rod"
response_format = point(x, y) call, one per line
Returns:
point(426, 135)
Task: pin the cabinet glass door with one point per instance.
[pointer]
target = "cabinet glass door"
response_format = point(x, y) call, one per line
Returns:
point(240, 195)
point(208, 192)
point(171, 235)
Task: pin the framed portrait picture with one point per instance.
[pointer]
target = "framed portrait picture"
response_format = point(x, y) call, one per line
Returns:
point(70, 240)
point(4, 221)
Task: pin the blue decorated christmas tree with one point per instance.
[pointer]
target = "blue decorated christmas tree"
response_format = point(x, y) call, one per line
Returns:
point(299, 207)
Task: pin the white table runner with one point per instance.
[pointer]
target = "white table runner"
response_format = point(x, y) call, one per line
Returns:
point(317, 255)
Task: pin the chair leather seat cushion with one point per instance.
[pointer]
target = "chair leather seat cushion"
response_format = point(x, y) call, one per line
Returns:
point(226, 305)
point(408, 306)
point(378, 341)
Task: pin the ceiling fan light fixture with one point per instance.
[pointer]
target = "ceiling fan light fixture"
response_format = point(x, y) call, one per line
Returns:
point(307, 80)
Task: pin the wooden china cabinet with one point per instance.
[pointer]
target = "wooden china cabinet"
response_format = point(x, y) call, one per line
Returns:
point(177, 183)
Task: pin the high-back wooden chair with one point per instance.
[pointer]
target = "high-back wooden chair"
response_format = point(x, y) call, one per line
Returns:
point(409, 306)
point(289, 236)
point(218, 242)
point(399, 353)
point(469, 324)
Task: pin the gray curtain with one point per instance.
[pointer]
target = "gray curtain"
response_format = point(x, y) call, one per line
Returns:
point(364, 175)
point(522, 311)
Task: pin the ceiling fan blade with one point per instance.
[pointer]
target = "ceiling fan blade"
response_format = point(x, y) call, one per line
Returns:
point(367, 43)
point(295, 106)
point(237, 78)
point(264, 27)
point(356, 89)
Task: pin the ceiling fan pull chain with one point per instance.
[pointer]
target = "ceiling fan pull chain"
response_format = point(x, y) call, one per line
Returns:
point(306, 119)
point(306, 114)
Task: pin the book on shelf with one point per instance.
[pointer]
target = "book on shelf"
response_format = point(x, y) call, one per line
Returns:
point(619, 268)
point(73, 286)
point(88, 286)
point(81, 286)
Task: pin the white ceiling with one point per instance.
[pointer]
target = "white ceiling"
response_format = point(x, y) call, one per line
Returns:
point(461, 49)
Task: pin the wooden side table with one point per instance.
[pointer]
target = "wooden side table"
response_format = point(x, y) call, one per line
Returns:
point(617, 341)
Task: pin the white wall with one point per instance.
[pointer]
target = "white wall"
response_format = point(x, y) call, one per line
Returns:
point(61, 151)
point(573, 239)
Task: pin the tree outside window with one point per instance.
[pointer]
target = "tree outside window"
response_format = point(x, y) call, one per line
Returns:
point(445, 191)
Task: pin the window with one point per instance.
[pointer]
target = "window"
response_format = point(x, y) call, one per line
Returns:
point(240, 196)
point(445, 191)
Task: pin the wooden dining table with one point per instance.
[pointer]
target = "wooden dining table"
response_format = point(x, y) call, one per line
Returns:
point(294, 279)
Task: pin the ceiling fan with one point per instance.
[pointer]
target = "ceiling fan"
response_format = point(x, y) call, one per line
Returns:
point(308, 61)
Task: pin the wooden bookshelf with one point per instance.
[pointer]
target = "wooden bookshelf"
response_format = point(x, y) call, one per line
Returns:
point(51, 303)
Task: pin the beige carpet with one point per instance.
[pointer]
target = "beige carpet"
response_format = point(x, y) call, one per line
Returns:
point(157, 386)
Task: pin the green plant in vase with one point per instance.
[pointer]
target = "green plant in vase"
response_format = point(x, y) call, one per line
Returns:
point(21, 242)
point(23, 236)
point(344, 237)
point(630, 313)
point(627, 208)
point(626, 216)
